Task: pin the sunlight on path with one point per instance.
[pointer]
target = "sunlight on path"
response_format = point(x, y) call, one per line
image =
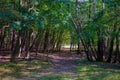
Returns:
point(62, 68)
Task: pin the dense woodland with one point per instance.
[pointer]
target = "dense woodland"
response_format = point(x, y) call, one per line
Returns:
point(90, 27)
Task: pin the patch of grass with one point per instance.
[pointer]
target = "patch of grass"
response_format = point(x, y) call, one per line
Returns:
point(12, 66)
point(45, 65)
point(1, 65)
point(24, 68)
point(50, 77)
point(55, 77)
point(30, 70)
point(11, 69)
point(112, 77)
point(96, 71)
point(35, 65)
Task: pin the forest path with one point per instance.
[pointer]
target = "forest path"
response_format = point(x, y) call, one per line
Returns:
point(64, 66)
point(63, 63)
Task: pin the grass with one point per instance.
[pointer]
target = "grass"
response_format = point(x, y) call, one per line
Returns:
point(55, 77)
point(88, 71)
point(31, 70)
point(97, 71)
point(24, 68)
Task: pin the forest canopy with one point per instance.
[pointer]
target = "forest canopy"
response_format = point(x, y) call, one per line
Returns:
point(90, 27)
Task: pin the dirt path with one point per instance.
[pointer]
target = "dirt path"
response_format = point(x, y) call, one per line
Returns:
point(62, 64)
point(64, 68)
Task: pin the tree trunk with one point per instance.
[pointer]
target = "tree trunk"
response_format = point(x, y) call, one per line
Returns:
point(16, 49)
point(27, 54)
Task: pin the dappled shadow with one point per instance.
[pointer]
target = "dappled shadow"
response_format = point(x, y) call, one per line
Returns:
point(24, 69)
point(99, 64)
point(97, 71)
point(65, 67)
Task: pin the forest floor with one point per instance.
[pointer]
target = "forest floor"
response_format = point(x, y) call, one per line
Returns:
point(60, 66)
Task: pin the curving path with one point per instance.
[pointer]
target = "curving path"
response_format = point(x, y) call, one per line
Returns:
point(62, 64)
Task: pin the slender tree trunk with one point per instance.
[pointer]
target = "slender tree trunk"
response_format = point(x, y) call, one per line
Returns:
point(3, 38)
point(100, 50)
point(79, 51)
point(16, 49)
point(13, 40)
point(27, 54)
point(111, 46)
point(116, 58)
point(46, 41)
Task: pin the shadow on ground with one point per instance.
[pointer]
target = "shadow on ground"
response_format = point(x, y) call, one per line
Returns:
point(60, 68)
